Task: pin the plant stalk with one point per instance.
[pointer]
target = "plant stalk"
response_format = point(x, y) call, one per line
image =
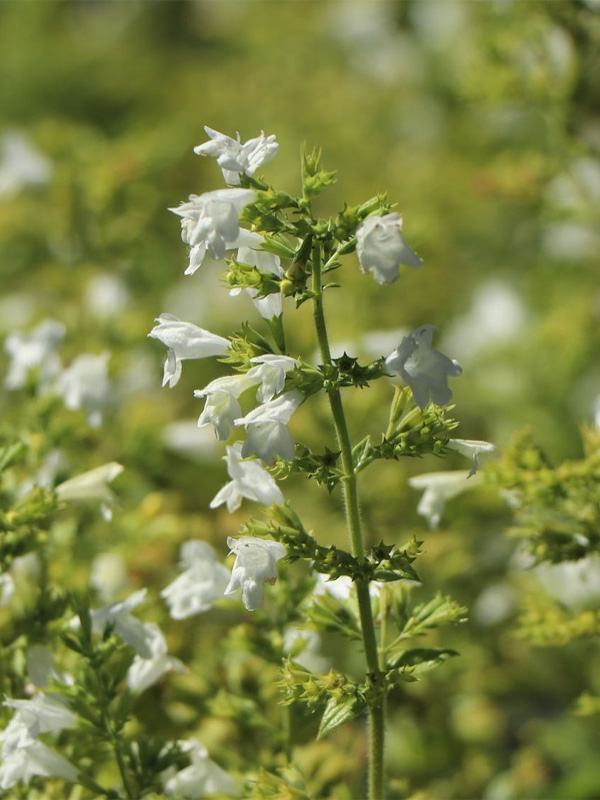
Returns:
point(352, 506)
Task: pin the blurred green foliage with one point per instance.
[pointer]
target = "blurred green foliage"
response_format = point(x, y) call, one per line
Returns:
point(482, 121)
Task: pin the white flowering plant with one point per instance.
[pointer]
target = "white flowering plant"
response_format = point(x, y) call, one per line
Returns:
point(276, 248)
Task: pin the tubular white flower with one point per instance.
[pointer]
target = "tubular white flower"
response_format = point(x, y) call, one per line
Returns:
point(133, 631)
point(381, 248)
point(222, 406)
point(438, 488)
point(85, 385)
point(41, 667)
point(92, 485)
point(267, 435)
point(42, 714)
point(210, 220)
point(185, 341)
point(249, 252)
point(202, 581)
point(21, 165)
point(7, 588)
point(234, 157)
point(36, 350)
point(145, 672)
point(203, 777)
point(473, 449)
point(248, 479)
point(270, 373)
point(424, 369)
point(23, 757)
point(255, 564)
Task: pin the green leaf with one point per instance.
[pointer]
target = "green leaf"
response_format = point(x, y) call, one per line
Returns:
point(421, 659)
point(332, 615)
point(339, 710)
point(10, 453)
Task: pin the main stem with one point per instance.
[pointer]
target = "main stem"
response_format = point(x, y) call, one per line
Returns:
point(351, 502)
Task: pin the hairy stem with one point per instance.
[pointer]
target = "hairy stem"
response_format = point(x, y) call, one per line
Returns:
point(352, 506)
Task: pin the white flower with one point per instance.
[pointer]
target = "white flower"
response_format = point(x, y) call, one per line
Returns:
point(340, 588)
point(248, 479)
point(249, 252)
point(20, 164)
point(43, 714)
point(381, 248)
point(132, 630)
point(144, 672)
point(267, 435)
point(202, 581)
point(234, 157)
point(472, 448)
point(106, 296)
point(203, 777)
point(41, 667)
point(24, 757)
point(304, 647)
point(255, 564)
point(7, 588)
point(222, 406)
point(92, 485)
point(85, 385)
point(210, 221)
point(36, 350)
point(108, 576)
point(440, 487)
point(424, 369)
point(185, 341)
point(270, 373)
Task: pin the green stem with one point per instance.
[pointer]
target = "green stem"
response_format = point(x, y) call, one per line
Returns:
point(351, 502)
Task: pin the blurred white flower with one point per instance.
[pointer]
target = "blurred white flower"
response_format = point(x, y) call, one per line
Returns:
point(84, 384)
point(424, 369)
point(255, 564)
point(304, 646)
point(23, 757)
point(234, 157)
point(497, 315)
point(108, 576)
point(210, 221)
point(145, 672)
point(494, 604)
point(340, 588)
point(41, 666)
point(133, 631)
point(381, 248)
point(42, 714)
point(267, 435)
point(185, 341)
point(270, 372)
point(439, 487)
point(7, 588)
point(222, 405)
point(106, 296)
point(203, 777)
point(575, 584)
point(186, 439)
point(21, 165)
point(473, 449)
point(249, 252)
point(570, 241)
point(248, 479)
point(202, 581)
point(92, 485)
point(35, 350)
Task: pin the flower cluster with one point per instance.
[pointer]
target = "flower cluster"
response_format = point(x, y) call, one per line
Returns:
point(34, 357)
